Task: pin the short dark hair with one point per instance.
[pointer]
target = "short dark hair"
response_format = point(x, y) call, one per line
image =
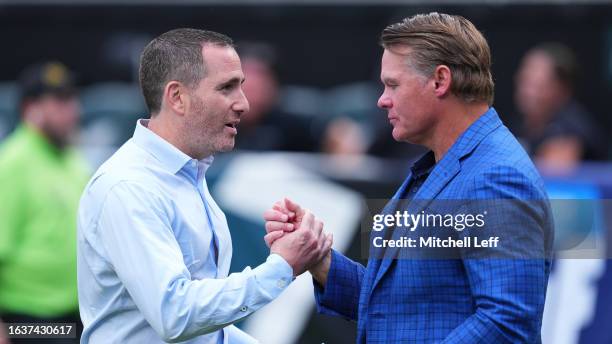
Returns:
point(175, 55)
point(442, 39)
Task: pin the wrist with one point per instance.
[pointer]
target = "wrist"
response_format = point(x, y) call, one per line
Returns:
point(320, 270)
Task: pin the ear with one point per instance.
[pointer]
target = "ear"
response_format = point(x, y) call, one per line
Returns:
point(442, 81)
point(175, 97)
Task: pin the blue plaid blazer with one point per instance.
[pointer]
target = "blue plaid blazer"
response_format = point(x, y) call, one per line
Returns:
point(465, 300)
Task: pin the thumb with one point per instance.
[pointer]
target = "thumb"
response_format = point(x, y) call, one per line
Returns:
point(292, 206)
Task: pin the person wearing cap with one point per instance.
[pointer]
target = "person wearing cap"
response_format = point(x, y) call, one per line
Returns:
point(41, 179)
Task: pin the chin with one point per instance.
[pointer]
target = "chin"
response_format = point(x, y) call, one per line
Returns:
point(226, 147)
point(405, 137)
point(398, 136)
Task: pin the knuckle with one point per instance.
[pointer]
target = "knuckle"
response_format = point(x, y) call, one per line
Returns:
point(270, 226)
point(306, 237)
point(314, 245)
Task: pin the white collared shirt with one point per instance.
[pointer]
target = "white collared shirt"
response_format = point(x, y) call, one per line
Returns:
point(148, 229)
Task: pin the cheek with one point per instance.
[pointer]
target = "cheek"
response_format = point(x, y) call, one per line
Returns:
point(413, 114)
point(63, 120)
point(216, 113)
point(404, 108)
point(200, 116)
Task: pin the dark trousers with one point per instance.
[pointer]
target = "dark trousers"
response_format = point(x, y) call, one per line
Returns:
point(22, 318)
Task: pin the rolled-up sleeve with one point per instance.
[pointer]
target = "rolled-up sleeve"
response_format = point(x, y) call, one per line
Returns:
point(134, 228)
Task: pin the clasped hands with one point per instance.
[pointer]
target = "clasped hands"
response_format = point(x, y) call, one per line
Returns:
point(296, 235)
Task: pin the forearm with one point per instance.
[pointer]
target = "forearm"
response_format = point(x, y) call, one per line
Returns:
point(187, 309)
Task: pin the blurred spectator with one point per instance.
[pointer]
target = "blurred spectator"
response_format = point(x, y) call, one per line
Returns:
point(265, 126)
point(344, 136)
point(369, 133)
point(557, 130)
point(41, 179)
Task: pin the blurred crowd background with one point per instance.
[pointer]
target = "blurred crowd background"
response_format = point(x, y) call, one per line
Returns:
point(314, 133)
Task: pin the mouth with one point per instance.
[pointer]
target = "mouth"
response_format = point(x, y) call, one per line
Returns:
point(232, 126)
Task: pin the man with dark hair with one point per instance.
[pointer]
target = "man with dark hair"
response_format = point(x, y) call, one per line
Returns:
point(557, 130)
point(154, 248)
point(436, 69)
point(41, 178)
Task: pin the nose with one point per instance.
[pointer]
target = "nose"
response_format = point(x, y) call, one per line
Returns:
point(241, 106)
point(384, 102)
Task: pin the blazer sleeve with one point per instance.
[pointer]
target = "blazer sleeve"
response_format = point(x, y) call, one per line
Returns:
point(508, 282)
point(340, 296)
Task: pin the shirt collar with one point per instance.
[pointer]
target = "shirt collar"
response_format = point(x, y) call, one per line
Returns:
point(424, 165)
point(170, 157)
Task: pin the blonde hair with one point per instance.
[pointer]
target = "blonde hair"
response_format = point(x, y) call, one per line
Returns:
point(441, 39)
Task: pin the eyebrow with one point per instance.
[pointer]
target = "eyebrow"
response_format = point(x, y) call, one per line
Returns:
point(233, 80)
point(389, 80)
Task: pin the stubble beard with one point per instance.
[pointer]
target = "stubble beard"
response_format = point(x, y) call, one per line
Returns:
point(57, 138)
point(197, 132)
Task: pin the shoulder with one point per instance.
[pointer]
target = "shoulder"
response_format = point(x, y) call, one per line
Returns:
point(16, 163)
point(127, 175)
point(13, 151)
point(499, 167)
point(119, 195)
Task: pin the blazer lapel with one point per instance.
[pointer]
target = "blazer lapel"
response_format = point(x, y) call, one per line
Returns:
point(389, 208)
point(445, 170)
point(441, 175)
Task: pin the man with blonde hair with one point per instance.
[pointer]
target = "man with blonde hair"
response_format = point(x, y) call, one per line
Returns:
point(436, 69)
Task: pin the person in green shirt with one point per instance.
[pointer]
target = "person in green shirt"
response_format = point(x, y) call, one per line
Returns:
point(41, 180)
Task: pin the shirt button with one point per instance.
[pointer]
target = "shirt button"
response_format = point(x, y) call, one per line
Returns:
point(281, 283)
point(244, 308)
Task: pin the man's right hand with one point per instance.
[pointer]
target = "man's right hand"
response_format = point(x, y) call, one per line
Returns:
point(303, 247)
point(284, 217)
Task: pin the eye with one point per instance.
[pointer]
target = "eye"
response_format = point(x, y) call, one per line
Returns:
point(227, 87)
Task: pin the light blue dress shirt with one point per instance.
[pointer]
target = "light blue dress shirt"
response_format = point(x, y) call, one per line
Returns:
point(149, 234)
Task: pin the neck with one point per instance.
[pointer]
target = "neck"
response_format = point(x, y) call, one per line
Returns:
point(454, 122)
point(162, 125)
